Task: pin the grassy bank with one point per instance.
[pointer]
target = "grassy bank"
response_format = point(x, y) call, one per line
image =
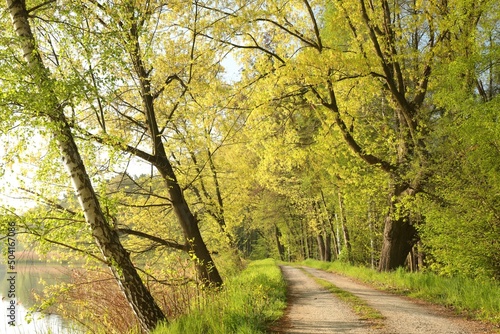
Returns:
point(248, 304)
point(479, 299)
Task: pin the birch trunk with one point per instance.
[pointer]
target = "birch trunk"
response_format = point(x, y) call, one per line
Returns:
point(144, 306)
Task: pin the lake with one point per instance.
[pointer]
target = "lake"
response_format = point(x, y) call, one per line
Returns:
point(23, 284)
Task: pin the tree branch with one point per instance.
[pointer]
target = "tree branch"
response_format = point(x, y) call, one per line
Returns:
point(351, 142)
point(171, 244)
point(256, 46)
point(48, 201)
point(40, 6)
point(315, 24)
point(293, 33)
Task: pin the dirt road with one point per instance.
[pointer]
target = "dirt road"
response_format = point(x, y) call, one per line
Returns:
point(314, 310)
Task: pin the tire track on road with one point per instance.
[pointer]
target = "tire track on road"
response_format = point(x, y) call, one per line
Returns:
point(403, 316)
point(314, 310)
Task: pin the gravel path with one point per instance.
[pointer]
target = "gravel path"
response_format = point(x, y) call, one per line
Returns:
point(313, 310)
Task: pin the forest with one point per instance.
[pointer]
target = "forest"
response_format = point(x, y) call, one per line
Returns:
point(159, 146)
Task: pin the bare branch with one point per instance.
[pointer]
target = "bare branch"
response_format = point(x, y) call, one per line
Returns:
point(168, 243)
point(315, 24)
point(293, 33)
point(40, 6)
point(44, 200)
point(255, 47)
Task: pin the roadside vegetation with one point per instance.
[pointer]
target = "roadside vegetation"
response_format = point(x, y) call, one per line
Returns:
point(476, 298)
point(248, 303)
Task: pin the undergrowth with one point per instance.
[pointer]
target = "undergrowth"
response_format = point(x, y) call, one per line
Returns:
point(479, 299)
point(248, 303)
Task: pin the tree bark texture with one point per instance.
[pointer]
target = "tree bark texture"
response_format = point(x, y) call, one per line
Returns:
point(399, 236)
point(205, 266)
point(143, 304)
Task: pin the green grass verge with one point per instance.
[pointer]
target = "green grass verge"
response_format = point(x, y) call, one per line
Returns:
point(248, 303)
point(358, 305)
point(479, 299)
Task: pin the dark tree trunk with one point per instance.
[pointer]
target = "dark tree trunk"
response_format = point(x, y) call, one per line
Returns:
point(205, 266)
point(328, 247)
point(400, 235)
point(281, 248)
point(321, 247)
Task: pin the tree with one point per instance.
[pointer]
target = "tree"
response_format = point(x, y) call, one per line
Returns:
point(460, 203)
point(367, 69)
point(106, 238)
point(135, 111)
point(133, 24)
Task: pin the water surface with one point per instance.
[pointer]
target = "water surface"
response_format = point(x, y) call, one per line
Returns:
point(27, 281)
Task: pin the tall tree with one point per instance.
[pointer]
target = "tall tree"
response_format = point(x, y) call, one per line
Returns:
point(118, 259)
point(366, 68)
point(460, 204)
point(140, 77)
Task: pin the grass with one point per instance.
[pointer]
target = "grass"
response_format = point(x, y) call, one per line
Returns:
point(479, 299)
point(248, 303)
point(358, 305)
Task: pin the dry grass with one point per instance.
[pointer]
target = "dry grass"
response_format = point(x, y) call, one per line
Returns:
point(94, 301)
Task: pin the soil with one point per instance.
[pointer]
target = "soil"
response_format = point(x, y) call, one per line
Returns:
point(313, 310)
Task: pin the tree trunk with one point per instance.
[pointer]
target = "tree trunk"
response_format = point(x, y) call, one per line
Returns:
point(372, 247)
point(144, 306)
point(330, 231)
point(304, 241)
point(336, 248)
point(398, 239)
point(321, 247)
point(281, 248)
point(345, 230)
point(205, 266)
point(397, 242)
point(372, 236)
point(328, 247)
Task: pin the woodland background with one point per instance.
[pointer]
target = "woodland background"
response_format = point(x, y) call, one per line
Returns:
point(197, 134)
